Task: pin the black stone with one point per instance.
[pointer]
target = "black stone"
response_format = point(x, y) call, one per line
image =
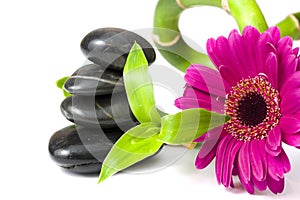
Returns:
point(109, 47)
point(106, 110)
point(82, 150)
point(92, 79)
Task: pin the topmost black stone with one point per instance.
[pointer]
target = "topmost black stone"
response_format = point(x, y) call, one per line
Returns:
point(109, 47)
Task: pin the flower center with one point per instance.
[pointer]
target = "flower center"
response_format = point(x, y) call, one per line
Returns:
point(253, 105)
point(252, 109)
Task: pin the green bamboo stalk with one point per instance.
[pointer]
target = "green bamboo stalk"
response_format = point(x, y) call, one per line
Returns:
point(192, 3)
point(167, 34)
point(168, 38)
point(178, 53)
point(290, 26)
point(247, 12)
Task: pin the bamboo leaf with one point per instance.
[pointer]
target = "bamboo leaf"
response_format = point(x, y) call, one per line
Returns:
point(127, 151)
point(139, 86)
point(60, 84)
point(144, 130)
point(186, 126)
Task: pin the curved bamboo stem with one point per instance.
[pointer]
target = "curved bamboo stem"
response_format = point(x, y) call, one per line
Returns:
point(167, 34)
point(247, 12)
point(290, 26)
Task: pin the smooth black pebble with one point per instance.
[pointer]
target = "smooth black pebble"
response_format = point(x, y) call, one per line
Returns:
point(93, 79)
point(82, 150)
point(109, 47)
point(106, 110)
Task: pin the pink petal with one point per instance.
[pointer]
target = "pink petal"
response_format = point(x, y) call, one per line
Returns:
point(244, 162)
point(275, 167)
point(290, 94)
point(251, 33)
point(290, 103)
point(239, 55)
point(194, 93)
point(250, 36)
point(186, 103)
point(235, 170)
point(273, 152)
point(276, 186)
point(232, 184)
point(206, 80)
point(229, 52)
point(210, 48)
point(284, 46)
point(225, 180)
point(256, 161)
point(291, 84)
point(274, 138)
point(272, 69)
point(208, 149)
point(204, 158)
point(264, 47)
point(237, 146)
point(263, 155)
point(229, 75)
point(223, 51)
point(286, 67)
point(273, 141)
point(292, 140)
point(201, 138)
point(261, 185)
point(247, 185)
point(220, 156)
point(214, 134)
point(275, 32)
point(290, 124)
point(286, 162)
point(296, 51)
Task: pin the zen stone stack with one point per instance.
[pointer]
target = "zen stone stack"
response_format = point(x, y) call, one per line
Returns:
point(98, 106)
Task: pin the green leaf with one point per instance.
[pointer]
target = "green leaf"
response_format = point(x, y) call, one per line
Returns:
point(60, 84)
point(127, 151)
point(144, 130)
point(186, 126)
point(139, 86)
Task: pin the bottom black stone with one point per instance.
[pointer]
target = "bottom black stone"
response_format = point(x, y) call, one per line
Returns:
point(89, 168)
point(82, 150)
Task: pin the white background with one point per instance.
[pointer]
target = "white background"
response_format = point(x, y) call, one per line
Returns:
point(39, 43)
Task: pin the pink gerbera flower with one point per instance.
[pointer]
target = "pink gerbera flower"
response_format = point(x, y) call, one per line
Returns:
point(257, 84)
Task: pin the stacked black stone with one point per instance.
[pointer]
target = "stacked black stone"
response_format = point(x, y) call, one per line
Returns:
point(98, 106)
